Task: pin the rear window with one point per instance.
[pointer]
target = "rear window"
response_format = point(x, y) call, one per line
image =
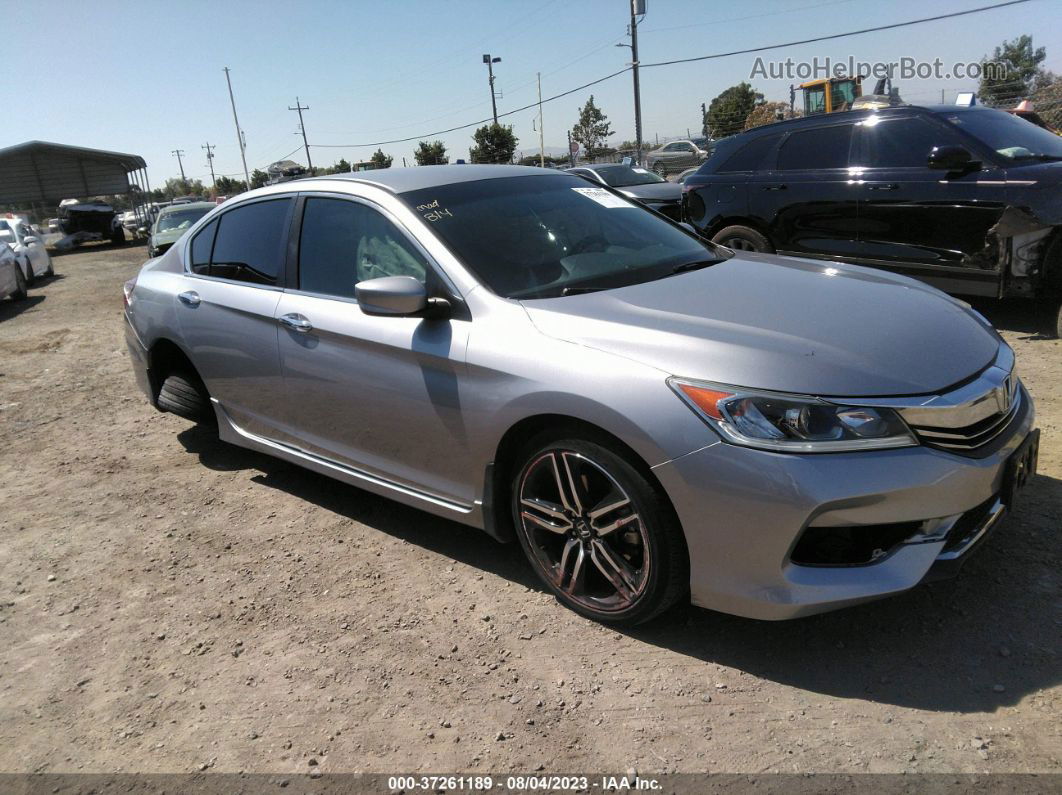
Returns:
point(750, 156)
point(824, 147)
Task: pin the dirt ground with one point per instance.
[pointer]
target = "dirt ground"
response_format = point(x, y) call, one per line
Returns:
point(169, 603)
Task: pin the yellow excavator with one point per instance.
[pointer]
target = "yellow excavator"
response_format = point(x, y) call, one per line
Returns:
point(829, 95)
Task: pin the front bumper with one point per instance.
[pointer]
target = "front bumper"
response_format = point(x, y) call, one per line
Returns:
point(743, 511)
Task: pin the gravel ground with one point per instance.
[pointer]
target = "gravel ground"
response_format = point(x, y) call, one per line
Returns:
point(169, 603)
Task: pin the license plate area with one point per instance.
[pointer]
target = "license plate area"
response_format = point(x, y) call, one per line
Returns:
point(1020, 468)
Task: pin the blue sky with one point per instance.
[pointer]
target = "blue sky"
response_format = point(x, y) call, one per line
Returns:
point(146, 77)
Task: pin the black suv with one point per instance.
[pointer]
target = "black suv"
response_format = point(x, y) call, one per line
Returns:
point(968, 199)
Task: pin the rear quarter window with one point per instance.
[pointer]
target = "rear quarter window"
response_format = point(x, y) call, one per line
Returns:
point(751, 155)
point(822, 147)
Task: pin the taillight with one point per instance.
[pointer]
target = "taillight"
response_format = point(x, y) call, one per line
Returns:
point(127, 292)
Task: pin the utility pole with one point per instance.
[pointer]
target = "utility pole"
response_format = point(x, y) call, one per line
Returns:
point(239, 132)
point(636, 6)
point(541, 134)
point(302, 128)
point(571, 154)
point(490, 73)
point(210, 161)
point(179, 152)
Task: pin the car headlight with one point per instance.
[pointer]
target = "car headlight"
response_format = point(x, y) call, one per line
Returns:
point(792, 423)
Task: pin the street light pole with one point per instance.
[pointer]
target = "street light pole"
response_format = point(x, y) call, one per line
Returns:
point(490, 76)
point(239, 132)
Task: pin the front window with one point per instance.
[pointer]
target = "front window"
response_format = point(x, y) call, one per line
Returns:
point(180, 220)
point(1010, 136)
point(624, 176)
point(548, 236)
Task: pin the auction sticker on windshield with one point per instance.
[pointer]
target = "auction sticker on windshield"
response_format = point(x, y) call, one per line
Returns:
point(603, 197)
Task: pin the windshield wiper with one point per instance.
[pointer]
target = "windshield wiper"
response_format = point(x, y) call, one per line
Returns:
point(582, 289)
point(694, 266)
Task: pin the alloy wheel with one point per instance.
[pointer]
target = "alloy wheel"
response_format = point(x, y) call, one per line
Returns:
point(739, 244)
point(584, 531)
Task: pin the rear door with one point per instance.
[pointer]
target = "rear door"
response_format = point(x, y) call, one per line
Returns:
point(381, 394)
point(925, 222)
point(808, 200)
point(227, 310)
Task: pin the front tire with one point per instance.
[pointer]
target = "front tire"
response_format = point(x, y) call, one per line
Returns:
point(21, 288)
point(597, 532)
point(660, 169)
point(743, 238)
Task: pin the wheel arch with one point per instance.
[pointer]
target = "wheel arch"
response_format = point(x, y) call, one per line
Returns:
point(497, 486)
point(719, 224)
point(164, 357)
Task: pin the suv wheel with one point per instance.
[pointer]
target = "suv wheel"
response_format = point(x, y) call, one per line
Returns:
point(597, 533)
point(743, 238)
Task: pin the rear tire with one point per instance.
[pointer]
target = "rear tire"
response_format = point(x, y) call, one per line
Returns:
point(118, 236)
point(21, 288)
point(29, 274)
point(743, 238)
point(185, 395)
point(51, 268)
point(660, 169)
point(640, 544)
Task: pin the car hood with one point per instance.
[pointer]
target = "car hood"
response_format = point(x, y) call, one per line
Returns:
point(783, 324)
point(169, 236)
point(654, 191)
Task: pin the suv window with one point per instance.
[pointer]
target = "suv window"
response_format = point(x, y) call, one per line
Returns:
point(249, 245)
point(345, 242)
point(823, 147)
point(750, 156)
point(901, 143)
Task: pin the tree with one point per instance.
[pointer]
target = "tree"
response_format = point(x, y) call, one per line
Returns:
point(727, 112)
point(1047, 101)
point(258, 178)
point(592, 128)
point(495, 143)
point(431, 154)
point(342, 167)
point(767, 113)
point(1023, 73)
point(380, 160)
point(227, 186)
point(175, 187)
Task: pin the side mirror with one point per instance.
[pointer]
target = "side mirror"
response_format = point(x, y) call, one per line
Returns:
point(391, 295)
point(951, 158)
point(30, 239)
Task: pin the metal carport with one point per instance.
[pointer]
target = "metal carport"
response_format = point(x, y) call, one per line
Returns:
point(38, 172)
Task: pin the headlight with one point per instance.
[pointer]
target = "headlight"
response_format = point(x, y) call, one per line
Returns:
point(792, 423)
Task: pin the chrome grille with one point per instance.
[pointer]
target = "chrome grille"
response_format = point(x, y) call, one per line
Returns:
point(970, 437)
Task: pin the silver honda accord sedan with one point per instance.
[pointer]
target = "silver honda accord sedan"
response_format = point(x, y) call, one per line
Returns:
point(652, 417)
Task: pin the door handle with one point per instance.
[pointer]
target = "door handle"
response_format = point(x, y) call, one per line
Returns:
point(885, 186)
point(296, 323)
point(774, 187)
point(190, 298)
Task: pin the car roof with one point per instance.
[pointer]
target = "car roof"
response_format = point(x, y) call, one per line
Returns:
point(176, 208)
point(402, 180)
point(862, 113)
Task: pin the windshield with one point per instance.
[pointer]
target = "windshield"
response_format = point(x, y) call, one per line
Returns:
point(181, 219)
point(624, 176)
point(1009, 135)
point(541, 237)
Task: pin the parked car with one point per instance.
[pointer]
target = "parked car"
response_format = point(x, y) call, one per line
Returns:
point(964, 198)
point(12, 277)
point(520, 351)
point(84, 221)
point(638, 183)
point(172, 222)
point(28, 248)
point(675, 156)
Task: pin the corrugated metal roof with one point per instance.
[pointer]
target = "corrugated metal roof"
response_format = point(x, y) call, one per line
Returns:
point(38, 171)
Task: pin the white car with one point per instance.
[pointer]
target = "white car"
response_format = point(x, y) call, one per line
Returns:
point(29, 249)
point(12, 279)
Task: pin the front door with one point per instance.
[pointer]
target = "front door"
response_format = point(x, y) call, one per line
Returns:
point(923, 222)
point(226, 306)
point(809, 201)
point(382, 394)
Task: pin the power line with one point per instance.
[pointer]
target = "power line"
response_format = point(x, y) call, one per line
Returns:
point(764, 48)
point(831, 36)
